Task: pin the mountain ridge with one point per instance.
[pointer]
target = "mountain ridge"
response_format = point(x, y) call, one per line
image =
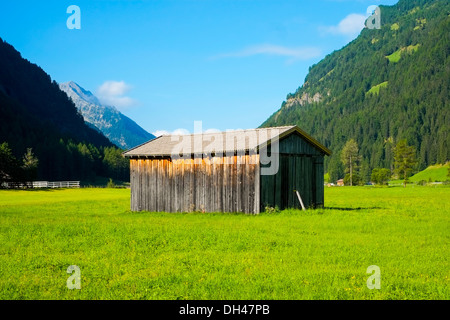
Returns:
point(118, 128)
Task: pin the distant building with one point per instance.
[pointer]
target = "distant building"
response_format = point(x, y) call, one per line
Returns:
point(340, 182)
point(228, 171)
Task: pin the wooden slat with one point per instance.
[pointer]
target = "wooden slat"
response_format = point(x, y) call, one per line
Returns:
point(182, 189)
point(175, 186)
point(133, 185)
point(257, 186)
point(220, 184)
point(192, 186)
point(169, 186)
point(209, 198)
point(187, 190)
point(233, 177)
point(154, 186)
point(140, 183)
point(160, 190)
point(144, 185)
point(224, 184)
point(245, 186)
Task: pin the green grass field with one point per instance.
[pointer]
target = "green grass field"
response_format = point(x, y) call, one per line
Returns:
point(317, 254)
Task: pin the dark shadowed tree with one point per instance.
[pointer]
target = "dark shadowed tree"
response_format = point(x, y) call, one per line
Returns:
point(9, 166)
point(335, 169)
point(116, 165)
point(30, 165)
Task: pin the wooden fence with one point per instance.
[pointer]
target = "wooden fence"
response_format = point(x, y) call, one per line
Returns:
point(56, 184)
point(41, 184)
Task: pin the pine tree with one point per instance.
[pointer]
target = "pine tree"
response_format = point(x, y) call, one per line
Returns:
point(30, 164)
point(335, 169)
point(404, 160)
point(9, 167)
point(350, 158)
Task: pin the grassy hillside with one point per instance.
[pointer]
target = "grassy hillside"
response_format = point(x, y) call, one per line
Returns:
point(318, 254)
point(432, 173)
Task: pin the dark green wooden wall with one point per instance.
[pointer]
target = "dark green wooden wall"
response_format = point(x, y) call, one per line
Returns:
point(300, 168)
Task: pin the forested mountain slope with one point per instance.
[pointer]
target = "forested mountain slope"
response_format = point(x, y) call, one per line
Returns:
point(386, 85)
point(35, 113)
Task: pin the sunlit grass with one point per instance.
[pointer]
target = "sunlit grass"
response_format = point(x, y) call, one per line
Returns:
point(432, 173)
point(375, 90)
point(317, 254)
point(397, 55)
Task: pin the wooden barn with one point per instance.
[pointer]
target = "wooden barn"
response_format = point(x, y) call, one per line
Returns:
point(233, 171)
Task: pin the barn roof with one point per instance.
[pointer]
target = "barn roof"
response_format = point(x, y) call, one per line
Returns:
point(218, 142)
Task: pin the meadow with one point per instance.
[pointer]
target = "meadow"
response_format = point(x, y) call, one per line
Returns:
point(292, 254)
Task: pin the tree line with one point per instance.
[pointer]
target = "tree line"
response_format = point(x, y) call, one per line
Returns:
point(356, 173)
point(71, 161)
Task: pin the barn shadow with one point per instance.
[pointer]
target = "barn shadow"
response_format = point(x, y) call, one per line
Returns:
point(352, 209)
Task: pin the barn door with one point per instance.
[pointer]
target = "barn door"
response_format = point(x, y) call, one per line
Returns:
point(301, 177)
point(296, 172)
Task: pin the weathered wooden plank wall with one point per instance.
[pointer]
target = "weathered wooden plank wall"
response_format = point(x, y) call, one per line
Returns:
point(212, 184)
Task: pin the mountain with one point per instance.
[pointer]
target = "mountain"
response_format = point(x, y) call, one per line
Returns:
point(388, 84)
point(35, 113)
point(120, 129)
point(27, 91)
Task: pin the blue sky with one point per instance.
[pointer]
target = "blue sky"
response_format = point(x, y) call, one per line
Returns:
point(168, 63)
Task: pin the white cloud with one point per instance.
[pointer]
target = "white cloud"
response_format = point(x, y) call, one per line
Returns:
point(350, 26)
point(115, 88)
point(212, 131)
point(159, 133)
point(176, 132)
point(303, 53)
point(112, 93)
point(181, 132)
